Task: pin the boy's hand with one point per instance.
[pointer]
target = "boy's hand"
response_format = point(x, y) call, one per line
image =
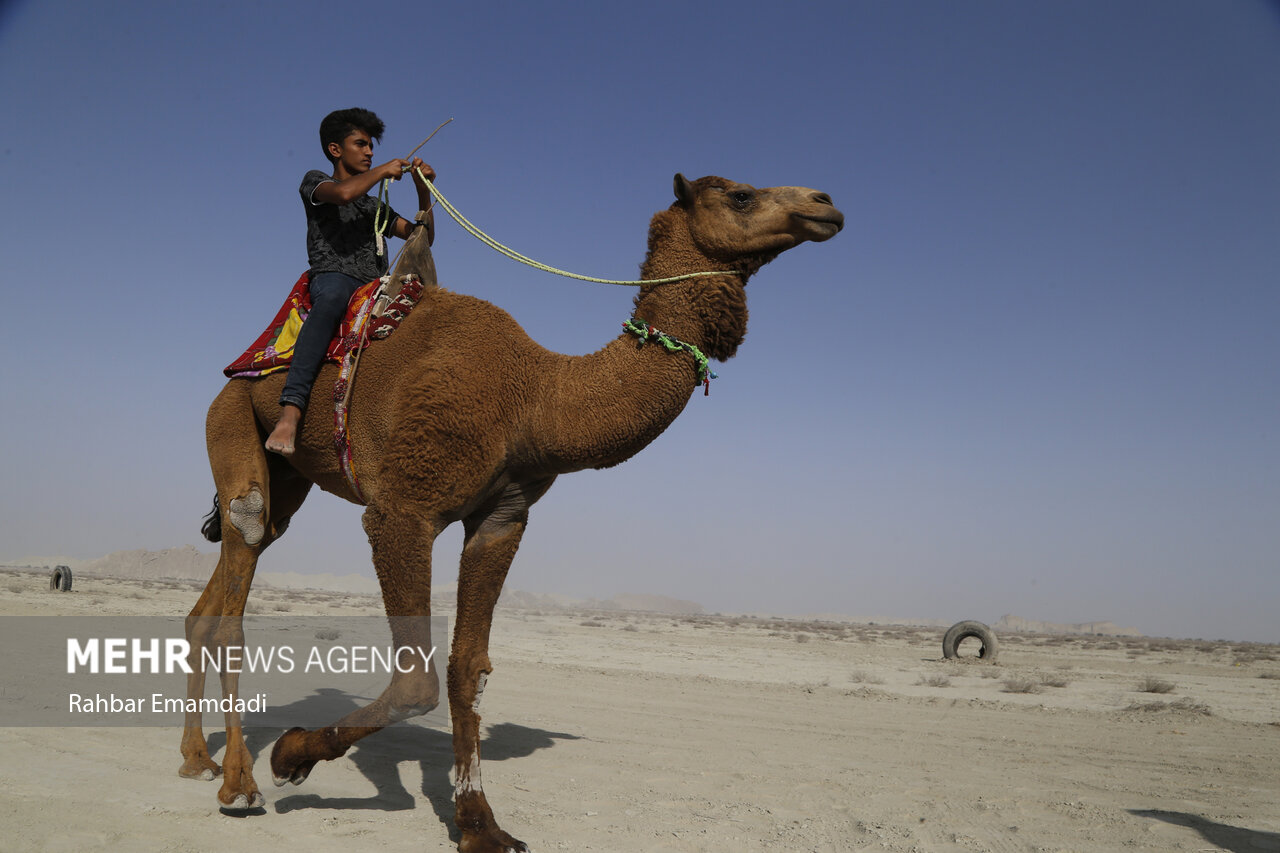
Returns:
point(392, 169)
point(427, 172)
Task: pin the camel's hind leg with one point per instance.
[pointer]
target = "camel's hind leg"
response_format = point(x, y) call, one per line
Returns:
point(249, 522)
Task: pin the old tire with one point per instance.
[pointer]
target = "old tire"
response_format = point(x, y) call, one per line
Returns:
point(962, 631)
point(61, 580)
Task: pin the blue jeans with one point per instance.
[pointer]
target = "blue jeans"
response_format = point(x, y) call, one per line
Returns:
point(330, 293)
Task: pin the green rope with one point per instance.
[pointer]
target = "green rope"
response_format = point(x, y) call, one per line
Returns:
point(516, 256)
point(646, 333)
point(382, 216)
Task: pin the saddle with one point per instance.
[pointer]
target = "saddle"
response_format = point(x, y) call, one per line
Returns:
point(273, 349)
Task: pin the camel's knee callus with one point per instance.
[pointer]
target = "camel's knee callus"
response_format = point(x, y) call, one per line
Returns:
point(247, 514)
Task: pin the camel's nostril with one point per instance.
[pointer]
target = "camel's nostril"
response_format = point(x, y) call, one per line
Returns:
point(823, 198)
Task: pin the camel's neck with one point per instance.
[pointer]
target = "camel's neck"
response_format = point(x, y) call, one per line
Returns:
point(612, 403)
point(709, 312)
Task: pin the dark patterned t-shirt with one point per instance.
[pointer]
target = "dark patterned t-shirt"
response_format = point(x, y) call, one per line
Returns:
point(340, 237)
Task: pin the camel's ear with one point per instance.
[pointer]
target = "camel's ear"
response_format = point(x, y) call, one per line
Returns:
point(684, 190)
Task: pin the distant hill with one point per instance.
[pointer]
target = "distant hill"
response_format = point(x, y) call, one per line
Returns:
point(186, 563)
point(622, 601)
point(1018, 625)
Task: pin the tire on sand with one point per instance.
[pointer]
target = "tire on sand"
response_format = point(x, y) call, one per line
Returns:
point(962, 631)
point(61, 580)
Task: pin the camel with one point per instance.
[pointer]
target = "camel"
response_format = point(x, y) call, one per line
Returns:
point(460, 416)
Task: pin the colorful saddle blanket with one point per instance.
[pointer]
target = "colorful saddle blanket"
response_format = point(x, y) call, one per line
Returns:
point(273, 350)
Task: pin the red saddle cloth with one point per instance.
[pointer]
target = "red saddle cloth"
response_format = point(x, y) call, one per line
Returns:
point(273, 350)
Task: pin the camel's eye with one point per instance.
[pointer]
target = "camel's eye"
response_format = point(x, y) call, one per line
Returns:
point(741, 198)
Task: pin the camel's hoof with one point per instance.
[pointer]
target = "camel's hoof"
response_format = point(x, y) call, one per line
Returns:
point(493, 841)
point(203, 769)
point(296, 779)
point(285, 763)
point(244, 802)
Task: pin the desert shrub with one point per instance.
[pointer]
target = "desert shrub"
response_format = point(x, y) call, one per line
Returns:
point(1269, 675)
point(1185, 704)
point(1151, 684)
point(1054, 681)
point(989, 672)
point(1020, 685)
point(630, 626)
point(16, 587)
point(859, 676)
point(591, 623)
point(803, 638)
point(1251, 653)
point(328, 634)
point(284, 608)
point(934, 681)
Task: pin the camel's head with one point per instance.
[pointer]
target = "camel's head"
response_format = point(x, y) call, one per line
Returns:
point(730, 221)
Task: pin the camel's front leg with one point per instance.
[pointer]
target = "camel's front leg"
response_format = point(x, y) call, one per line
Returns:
point(489, 549)
point(401, 540)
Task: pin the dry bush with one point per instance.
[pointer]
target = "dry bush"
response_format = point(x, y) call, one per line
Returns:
point(1254, 652)
point(1184, 704)
point(1151, 684)
point(328, 634)
point(1020, 685)
point(284, 608)
point(592, 623)
point(859, 676)
point(988, 672)
point(1269, 675)
point(803, 638)
point(630, 626)
point(1054, 681)
point(17, 587)
point(934, 681)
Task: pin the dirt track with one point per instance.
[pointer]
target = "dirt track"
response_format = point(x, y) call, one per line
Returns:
point(643, 732)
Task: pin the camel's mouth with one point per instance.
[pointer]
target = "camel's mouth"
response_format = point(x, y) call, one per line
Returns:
point(824, 225)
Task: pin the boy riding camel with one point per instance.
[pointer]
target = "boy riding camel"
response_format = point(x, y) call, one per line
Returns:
point(343, 250)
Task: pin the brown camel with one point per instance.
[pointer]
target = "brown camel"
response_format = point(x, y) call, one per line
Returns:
point(460, 416)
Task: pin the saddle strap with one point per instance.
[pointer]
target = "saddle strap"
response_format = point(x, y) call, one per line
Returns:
point(376, 318)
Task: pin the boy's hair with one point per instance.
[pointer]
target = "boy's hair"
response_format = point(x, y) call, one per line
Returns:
point(339, 124)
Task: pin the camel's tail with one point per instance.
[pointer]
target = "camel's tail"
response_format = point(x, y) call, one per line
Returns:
point(212, 527)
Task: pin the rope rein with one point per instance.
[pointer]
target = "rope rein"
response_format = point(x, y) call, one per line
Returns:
point(634, 326)
point(471, 229)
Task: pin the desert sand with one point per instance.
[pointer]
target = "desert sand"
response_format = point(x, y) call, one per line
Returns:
point(651, 732)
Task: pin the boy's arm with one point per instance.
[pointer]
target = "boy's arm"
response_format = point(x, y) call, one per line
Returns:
point(348, 190)
point(402, 227)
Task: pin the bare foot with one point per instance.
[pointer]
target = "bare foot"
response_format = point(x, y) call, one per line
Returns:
point(282, 438)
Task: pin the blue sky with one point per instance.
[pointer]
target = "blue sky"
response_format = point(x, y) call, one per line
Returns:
point(1036, 374)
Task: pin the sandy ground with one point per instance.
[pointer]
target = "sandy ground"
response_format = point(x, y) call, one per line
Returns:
point(646, 732)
